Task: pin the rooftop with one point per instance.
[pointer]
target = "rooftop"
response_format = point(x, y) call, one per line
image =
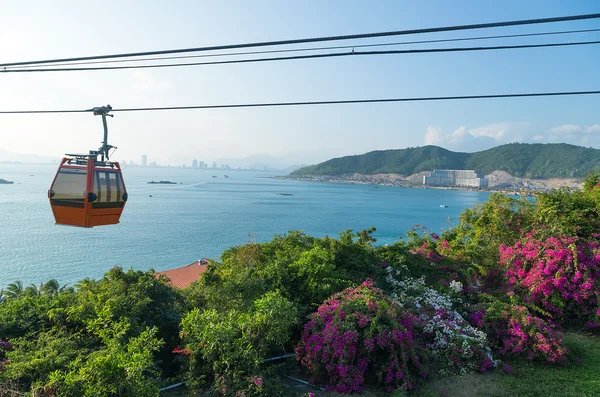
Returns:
point(182, 277)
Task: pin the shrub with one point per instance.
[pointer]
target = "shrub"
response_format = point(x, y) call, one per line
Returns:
point(560, 274)
point(124, 368)
point(591, 181)
point(515, 331)
point(482, 228)
point(358, 336)
point(229, 347)
point(304, 269)
point(111, 330)
point(455, 345)
point(4, 346)
point(562, 211)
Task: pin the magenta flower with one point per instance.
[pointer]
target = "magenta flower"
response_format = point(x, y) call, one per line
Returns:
point(560, 274)
point(342, 351)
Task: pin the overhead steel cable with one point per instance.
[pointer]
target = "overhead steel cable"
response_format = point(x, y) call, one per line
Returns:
point(297, 57)
point(317, 39)
point(472, 38)
point(312, 103)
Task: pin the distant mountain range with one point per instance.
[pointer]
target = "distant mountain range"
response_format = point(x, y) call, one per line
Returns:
point(6, 156)
point(552, 160)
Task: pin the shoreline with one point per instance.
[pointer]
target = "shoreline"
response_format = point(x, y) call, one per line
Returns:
point(375, 182)
point(533, 185)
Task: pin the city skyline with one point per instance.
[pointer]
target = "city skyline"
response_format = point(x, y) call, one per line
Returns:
point(305, 134)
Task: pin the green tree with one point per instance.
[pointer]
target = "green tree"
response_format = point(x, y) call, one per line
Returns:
point(573, 213)
point(591, 180)
point(230, 346)
point(482, 228)
point(14, 290)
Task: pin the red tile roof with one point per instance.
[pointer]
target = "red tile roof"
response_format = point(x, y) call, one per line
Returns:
point(182, 277)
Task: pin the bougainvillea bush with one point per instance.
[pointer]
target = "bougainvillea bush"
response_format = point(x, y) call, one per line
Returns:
point(559, 274)
point(455, 345)
point(514, 330)
point(361, 336)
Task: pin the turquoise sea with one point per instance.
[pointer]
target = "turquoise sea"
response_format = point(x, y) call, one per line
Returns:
point(166, 226)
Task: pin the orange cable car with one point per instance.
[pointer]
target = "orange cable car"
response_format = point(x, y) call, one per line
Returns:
point(88, 191)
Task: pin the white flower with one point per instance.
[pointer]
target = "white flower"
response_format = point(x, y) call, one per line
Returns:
point(456, 286)
point(446, 326)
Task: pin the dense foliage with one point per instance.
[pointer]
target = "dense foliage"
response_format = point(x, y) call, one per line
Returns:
point(455, 345)
point(110, 337)
point(359, 334)
point(232, 345)
point(518, 159)
point(559, 275)
point(503, 284)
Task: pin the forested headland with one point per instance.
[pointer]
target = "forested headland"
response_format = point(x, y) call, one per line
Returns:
point(538, 161)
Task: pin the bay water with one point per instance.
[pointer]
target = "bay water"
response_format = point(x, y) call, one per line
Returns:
point(167, 226)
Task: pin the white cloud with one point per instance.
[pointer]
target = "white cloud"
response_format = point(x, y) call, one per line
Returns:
point(479, 138)
point(487, 136)
point(574, 129)
point(565, 129)
point(592, 129)
point(582, 135)
point(434, 136)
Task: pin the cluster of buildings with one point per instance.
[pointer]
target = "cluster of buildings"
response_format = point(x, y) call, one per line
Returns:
point(204, 166)
point(143, 163)
point(195, 164)
point(455, 178)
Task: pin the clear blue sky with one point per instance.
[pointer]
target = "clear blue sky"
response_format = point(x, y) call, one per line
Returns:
point(32, 30)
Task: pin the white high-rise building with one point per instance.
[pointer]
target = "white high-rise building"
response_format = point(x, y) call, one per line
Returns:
point(144, 160)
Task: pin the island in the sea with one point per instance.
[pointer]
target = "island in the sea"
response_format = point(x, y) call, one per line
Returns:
point(5, 182)
point(162, 183)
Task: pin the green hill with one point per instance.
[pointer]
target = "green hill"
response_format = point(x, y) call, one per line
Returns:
point(553, 160)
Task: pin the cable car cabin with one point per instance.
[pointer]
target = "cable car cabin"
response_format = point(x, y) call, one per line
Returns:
point(87, 193)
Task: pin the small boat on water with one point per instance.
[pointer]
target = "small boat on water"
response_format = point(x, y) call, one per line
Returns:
point(443, 206)
point(5, 182)
point(214, 176)
point(226, 176)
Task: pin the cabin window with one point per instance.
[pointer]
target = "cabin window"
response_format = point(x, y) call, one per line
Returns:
point(69, 188)
point(108, 187)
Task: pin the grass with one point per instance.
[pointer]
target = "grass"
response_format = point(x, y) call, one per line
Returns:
point(581, 378)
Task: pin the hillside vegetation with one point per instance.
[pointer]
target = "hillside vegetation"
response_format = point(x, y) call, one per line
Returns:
point(554, 160)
